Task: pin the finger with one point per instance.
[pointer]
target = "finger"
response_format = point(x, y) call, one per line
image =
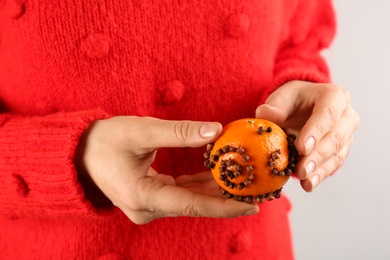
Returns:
point(210, 188)
point(165, 133)
point(202, 183)
point(199, 177)
point(156, 200)
point(330, 104)
point(332, 143)
point(325, 169)
point(178, 201)
point(278, 106)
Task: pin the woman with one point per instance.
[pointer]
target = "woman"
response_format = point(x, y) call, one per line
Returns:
point(106, 107)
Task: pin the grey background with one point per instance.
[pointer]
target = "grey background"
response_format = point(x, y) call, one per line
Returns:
point(348, 216)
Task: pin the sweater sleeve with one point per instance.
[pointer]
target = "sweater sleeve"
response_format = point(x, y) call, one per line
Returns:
point(37, 173)
point(311, 29)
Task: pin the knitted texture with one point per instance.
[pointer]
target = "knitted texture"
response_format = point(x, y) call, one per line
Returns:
point(65, 64)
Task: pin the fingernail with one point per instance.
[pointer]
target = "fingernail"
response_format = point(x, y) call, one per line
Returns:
point(309, 168)
point(314, 181)
point(250, 212)
point(309, 144)
point(209, 130)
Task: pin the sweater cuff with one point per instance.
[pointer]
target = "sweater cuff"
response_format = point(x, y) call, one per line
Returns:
point(38, 176)
point(302, 74)
point(297, 70)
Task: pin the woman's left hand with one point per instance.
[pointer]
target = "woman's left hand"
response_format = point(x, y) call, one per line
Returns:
point(324, 121)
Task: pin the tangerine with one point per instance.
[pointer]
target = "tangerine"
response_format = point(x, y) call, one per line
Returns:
point(252, 159)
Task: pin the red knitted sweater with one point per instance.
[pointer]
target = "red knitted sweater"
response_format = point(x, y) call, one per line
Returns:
point(64, 64)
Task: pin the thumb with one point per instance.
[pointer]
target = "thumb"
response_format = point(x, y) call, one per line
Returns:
point(166, 133)
point(278, 106)
point(178, 201)
point(272, 113)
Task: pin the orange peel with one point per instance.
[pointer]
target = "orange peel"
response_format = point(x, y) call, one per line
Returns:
point(252, 159)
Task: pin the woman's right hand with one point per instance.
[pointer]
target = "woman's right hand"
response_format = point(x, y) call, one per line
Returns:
point(117, 153)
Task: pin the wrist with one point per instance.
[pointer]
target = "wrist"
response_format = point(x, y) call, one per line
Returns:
point(91, 191)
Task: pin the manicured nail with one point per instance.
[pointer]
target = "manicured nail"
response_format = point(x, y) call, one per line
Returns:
point(309, 144)
point(209, 130)
point(314, 181)
point(250, 212)
point(309, 168)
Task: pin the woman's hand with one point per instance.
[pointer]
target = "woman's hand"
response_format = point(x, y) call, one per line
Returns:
point(117, 153)
point(324, 121)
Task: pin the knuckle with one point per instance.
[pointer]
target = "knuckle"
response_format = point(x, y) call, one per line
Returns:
point(342, 155)
point(138, 213)
point(319, 128)
point(130, 205)
point(332, 114)
point(182, 130)
point(356, 118)
point(136, 206)
point(339, 160)
point(135, 200)
point(140, 218)
point(191, 211)
point(338, 141)
point(353, 117)
point(132, 213)
point(345, 93)
point(337, 90)
point(143, 195)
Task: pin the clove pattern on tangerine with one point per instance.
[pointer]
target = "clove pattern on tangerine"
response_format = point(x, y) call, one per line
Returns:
point(252, 159)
